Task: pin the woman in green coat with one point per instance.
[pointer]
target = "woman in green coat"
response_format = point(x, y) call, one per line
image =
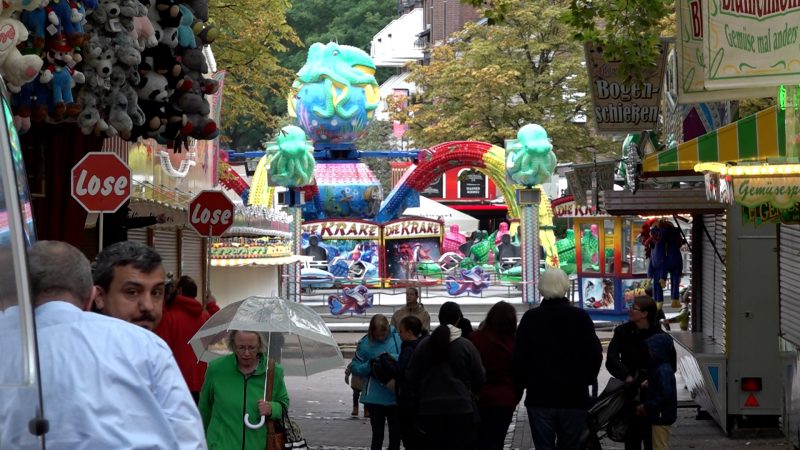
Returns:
point(234, 386)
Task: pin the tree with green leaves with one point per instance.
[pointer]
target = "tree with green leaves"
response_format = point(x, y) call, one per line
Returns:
point(252, 33)
point(491, 80)
point(378, 136)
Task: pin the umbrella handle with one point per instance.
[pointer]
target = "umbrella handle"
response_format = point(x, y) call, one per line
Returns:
point(253, 426)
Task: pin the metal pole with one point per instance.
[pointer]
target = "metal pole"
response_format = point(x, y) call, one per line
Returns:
point(100, 238)
point(207, 281)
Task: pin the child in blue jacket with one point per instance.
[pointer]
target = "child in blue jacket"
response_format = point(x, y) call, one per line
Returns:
point(660, 404)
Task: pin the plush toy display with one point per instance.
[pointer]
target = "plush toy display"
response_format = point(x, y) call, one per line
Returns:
point(61, 77)
point(128, 68)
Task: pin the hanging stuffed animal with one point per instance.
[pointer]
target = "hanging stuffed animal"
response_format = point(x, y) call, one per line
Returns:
point(665, 260)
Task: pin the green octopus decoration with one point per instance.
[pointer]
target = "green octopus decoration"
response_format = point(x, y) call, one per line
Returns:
point(293, 162)
point(339, 66)
point(530, 160)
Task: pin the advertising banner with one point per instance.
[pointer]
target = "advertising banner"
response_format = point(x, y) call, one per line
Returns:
point(751, 43)
point(691, 65)
point(620, 106)
point(413, 249)
point(350, 247)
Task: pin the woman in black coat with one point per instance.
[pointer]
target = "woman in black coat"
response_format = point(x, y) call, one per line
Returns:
point(628, 359)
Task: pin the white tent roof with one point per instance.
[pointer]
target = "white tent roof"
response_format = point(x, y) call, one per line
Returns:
point(434, 210)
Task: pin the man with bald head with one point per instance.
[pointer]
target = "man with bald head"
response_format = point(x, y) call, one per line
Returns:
point(105, 382)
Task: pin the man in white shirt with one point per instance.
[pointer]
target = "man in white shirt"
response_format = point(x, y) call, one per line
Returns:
point(106, 383)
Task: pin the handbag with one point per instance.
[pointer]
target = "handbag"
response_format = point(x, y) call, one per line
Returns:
point(276, 433)
point(294, 439)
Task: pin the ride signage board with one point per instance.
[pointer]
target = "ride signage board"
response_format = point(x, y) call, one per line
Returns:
point(101, 182)
point(211, 213)
point(412, 228)
point(343, 229)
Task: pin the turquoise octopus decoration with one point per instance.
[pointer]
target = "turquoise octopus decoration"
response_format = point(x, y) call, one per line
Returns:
point(335, 93)
point(293, 162)
point(530, 160)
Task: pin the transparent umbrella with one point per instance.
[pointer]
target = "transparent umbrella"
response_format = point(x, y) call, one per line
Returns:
point(295, 335)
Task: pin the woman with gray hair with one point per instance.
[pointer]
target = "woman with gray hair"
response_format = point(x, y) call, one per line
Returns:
point(235, 384)
point(557, 356)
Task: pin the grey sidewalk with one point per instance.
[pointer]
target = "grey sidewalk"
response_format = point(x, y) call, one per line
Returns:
point(322, 403)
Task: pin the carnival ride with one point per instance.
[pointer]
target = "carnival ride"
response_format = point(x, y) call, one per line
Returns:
point(333, 99)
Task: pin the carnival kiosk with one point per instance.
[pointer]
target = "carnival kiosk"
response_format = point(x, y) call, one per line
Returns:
point(610, 263)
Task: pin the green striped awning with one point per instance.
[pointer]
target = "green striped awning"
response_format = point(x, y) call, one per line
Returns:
point(753, 138)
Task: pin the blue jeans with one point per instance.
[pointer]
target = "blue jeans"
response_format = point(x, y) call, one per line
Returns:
point(557, 428)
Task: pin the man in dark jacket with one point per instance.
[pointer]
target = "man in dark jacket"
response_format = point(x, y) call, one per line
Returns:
point(179, 323)
point(557, 356)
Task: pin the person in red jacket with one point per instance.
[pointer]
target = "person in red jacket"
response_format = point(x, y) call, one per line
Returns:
point(180, 322)
point(211, 305)
point(498, 398)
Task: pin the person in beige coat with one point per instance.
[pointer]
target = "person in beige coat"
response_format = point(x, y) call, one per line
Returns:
point(413, 308)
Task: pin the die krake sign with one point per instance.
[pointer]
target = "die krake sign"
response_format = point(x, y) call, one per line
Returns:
point(752, 43)
point(621, 106)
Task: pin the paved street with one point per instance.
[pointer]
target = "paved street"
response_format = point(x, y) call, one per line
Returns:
point(322, 403)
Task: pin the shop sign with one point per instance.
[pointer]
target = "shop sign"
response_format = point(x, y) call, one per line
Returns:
point(436, 189)
point(765, 213)
point(472, 185)
point(173, 216)
point(412, 229)
point(781, 192)
point(250, 249)
point(571, 209)
point(689, 79)
point(342, 229)
point(751, 43)
point(619, 105)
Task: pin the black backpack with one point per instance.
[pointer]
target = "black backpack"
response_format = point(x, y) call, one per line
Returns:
point(385, 368)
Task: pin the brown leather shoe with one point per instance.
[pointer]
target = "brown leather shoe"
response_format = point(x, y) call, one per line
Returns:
point(355, 411)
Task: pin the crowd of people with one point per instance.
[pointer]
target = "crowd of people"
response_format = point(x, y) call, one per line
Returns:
point(455, 388)
point(117, 371)
point(115, 367)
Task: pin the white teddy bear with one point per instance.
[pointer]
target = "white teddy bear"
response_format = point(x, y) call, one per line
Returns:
point(16, 68)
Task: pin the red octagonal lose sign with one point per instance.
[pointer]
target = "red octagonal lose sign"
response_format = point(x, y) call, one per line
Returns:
point(211, 213)
point(101, 182)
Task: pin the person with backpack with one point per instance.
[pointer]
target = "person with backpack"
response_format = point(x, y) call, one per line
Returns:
point(379, 345)
point(446, 372)
point(411, 332)
point(660, 407)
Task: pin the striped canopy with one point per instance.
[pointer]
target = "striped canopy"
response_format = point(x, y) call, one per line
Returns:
point(757, 137)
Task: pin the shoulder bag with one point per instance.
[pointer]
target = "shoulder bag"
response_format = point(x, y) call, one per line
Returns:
point(276, 433)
